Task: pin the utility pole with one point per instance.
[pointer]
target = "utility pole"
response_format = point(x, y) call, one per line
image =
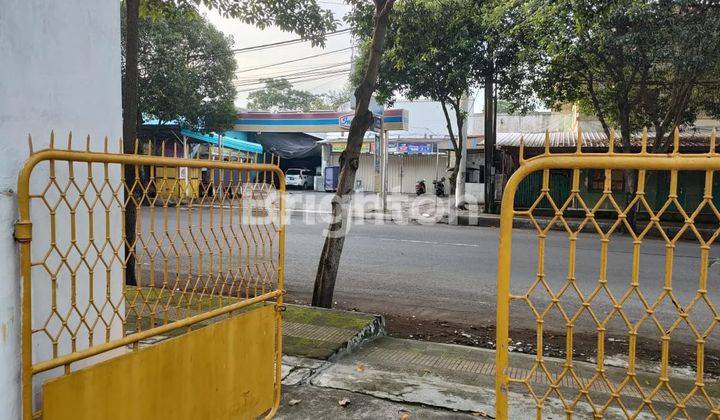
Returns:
point(489, 143)
point(383, 167)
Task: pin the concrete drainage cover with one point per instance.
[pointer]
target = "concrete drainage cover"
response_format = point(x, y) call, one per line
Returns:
point(316, 332)
point(431, 361)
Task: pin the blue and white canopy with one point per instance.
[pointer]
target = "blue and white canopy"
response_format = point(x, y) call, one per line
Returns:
point(227, 141)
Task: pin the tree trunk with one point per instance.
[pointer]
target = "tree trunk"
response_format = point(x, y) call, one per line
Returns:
point(489, 142)
point(349, 161)
point(455, 171)
point(130, 117)
point(460, 172)
point(456, 147)
point(630, 175)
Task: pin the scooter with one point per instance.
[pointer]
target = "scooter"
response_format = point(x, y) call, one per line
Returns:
point(439, 187)
point(420, 187)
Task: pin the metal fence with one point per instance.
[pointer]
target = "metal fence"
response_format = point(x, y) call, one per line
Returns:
point(676, 319)
point(208, 244)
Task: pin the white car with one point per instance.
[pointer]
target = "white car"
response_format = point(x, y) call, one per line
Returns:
point(301, 178)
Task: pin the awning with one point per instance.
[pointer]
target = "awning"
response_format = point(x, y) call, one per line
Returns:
point(288, 145)
point(227, 141)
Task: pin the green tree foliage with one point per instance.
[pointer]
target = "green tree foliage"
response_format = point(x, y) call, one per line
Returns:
point(433, 50)
point(632, 63)
point(303, 17)
point(443, 49)
point(279, 95)
point(186, 69)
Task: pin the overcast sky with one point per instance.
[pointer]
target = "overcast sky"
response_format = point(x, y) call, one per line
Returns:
point(249, 36)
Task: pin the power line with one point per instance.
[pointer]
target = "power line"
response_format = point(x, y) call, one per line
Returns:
point(292, 61)
point(301, 81)
point(284, 74)
point(284, 43)
point(325, 82)
point(268, 74)
point(296, 77)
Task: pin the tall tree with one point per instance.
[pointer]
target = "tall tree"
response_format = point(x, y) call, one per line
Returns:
point(434, 50)
point(632, 63)
point(442, 49)
point(303, 17)
point(130, 118)
point(350, 159)
point(186, 72)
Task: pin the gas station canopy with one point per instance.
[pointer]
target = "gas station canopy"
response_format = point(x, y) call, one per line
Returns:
point(312, 122)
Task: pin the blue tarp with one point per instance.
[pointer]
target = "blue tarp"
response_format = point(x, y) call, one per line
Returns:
point(228, 141)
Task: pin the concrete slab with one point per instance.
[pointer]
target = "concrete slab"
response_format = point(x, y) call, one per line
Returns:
point(297, 370)
point(310, 402)
point(463, 378)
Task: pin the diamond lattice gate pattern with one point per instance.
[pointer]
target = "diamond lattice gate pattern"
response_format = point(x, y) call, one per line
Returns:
point(178, 317)
point(631, 327)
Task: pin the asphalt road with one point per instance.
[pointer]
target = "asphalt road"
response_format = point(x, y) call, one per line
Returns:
point(449, 272)
point(443, 272)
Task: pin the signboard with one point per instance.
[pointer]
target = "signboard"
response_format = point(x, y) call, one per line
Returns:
point(377, 123)
point(378, 156)
point(344, 122)
point(339, 147)
point(411, 148)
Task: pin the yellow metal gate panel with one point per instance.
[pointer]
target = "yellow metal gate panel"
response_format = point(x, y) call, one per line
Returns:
point(222, 371)
point(624, 393)
point(94, 288)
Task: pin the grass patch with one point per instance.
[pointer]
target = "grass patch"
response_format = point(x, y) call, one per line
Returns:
point(326, 318)
point(167, 299)
point(170, 306)
point(306, 347)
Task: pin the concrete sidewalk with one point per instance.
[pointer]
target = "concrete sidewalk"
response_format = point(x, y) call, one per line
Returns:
point(388, 378)
point(423, 379)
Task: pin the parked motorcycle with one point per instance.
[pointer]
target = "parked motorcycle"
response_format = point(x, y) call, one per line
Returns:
point(439, 187)
point(420, 187)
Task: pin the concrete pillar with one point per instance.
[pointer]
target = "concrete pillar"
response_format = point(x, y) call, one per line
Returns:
point(325, 156)
point(60, 70)
point(383, 169)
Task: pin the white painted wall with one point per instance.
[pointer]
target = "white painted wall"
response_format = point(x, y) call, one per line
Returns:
point(60, 70)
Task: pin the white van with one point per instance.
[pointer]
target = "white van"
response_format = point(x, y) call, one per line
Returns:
point(301, 178)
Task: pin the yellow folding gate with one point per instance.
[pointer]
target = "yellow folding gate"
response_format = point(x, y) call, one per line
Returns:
point(177, 318)
point(680, 317)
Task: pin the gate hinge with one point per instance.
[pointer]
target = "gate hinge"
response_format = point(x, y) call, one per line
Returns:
point(23, 231)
